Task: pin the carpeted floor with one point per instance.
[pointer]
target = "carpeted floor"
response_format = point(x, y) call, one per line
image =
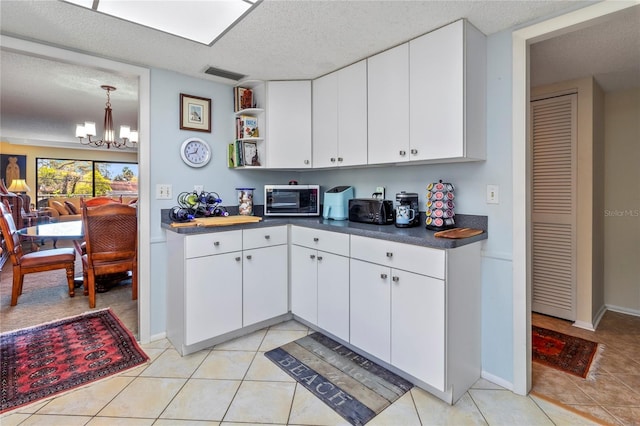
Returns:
point(45, 298)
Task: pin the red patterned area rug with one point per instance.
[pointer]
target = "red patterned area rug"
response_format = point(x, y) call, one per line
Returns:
point(50, 359)
point(570, 354)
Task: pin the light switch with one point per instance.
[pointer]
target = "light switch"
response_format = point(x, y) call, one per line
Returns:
point(493, 194)
point(163, 191)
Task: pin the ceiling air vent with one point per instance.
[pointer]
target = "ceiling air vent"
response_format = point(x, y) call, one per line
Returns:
point(224, 74)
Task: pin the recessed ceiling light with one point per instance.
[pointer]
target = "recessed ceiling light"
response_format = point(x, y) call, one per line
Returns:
point(201, 21)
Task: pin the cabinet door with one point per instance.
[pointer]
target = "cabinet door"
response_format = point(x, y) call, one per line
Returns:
point(352, 115)
point(333, 294)
point(304, 283)
point(213, 296)
point(437, 94)
point(417, 326)
point(325, 121)
point(264, 284)
point(288, 124)
point(388, 106)
point(370, 303)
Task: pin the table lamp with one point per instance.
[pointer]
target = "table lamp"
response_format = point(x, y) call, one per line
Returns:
point(19, 185)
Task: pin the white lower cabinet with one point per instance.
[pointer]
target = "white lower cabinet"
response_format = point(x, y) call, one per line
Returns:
point(264, 283)
point(213, 296)
point(220, 282)
point(304, 283)
point(396, 315)
point(417, 326)
point(320, 279)
point(370, 318)
point(418, 309)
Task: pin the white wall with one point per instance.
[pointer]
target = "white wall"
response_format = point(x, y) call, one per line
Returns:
point(621, 208)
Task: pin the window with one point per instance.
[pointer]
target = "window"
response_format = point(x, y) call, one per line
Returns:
point(84, 178)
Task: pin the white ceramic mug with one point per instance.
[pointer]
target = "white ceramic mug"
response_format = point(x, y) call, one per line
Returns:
point(404, 214)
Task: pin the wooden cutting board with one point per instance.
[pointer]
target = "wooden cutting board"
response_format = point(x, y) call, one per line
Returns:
point(457, 233)
point(217, 221)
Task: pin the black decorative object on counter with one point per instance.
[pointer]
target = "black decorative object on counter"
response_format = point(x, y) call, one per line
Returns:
point(440, 206)
point(192, 205)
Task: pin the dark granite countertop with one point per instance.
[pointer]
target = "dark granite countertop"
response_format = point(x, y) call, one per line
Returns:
point(418, 235)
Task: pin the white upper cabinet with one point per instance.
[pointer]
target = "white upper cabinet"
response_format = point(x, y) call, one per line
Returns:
point(288, 124)
point(388, 106)
point(340, 117)
point(447, 71)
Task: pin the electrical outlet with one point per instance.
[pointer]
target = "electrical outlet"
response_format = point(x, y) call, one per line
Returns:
point(380, 190)
point(493, 194)
point(198, 188)
point(163, 191)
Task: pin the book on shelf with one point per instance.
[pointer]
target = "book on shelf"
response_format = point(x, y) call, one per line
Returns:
point(242, 99)
point(238, 152)
point(249, 126)
point(250, 153)
point(231, 156)
point(246, 127)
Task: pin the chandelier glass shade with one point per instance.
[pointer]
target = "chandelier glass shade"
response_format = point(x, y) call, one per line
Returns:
point(88, 129)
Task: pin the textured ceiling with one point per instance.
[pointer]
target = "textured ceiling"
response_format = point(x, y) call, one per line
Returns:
point(279, 39)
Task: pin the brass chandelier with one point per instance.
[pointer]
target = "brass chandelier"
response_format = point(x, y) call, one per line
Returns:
point(88, 129)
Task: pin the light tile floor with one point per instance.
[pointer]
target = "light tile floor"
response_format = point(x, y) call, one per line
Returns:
point(233, 383)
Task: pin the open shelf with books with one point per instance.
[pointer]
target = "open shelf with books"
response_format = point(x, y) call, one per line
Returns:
point(248, 149)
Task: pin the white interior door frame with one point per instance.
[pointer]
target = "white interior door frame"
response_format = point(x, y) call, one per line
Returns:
point(522, 175)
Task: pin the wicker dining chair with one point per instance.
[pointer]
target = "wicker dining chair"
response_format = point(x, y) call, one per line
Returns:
point(111, 237)
point(39, 261)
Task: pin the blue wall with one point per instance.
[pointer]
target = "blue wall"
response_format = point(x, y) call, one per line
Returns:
point(470, 180)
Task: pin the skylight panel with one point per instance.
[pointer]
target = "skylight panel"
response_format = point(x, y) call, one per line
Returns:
point(202, 21)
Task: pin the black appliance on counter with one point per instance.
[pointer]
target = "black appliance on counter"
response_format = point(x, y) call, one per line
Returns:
point(371, 210)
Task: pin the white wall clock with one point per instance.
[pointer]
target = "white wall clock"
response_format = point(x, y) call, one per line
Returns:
point(195, 152)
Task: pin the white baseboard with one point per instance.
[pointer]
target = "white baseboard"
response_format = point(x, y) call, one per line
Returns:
point(158, 336)
point(496, 380)
point(584, 325)
point(622, 310)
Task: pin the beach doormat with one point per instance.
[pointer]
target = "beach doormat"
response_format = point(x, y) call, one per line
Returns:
point(50, 359)
point(352, 385)
point(570, 354)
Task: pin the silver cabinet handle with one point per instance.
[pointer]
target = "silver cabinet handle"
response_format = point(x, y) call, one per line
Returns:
point(389, 254)
point(414, 151)
point(339, 159)
point(238, 258)
point(312, 256)
point(395, 279)
point(216, 243)
point(316, 239)
point(333, 160)
point(403, 153)
point(306, 161)
point(266, 237)
point(249, 256)
point(383, 276)
point(319, 257)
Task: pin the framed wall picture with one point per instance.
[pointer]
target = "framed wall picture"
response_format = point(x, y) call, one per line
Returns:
point(12, 167)
point(195, 113)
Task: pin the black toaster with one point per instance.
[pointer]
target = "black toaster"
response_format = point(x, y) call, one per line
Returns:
point(371, 210)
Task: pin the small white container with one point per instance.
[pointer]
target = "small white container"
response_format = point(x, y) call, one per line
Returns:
point(245, 201)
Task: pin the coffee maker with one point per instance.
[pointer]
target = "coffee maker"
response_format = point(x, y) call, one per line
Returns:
point(407, 214)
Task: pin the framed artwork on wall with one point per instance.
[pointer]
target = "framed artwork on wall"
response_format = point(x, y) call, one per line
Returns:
point(195, 113)
point(12, 167)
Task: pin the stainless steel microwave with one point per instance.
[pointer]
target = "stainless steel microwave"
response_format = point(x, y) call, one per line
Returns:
point(292, 200)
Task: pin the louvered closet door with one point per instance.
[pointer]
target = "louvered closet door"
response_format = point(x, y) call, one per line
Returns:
point(553, 262)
